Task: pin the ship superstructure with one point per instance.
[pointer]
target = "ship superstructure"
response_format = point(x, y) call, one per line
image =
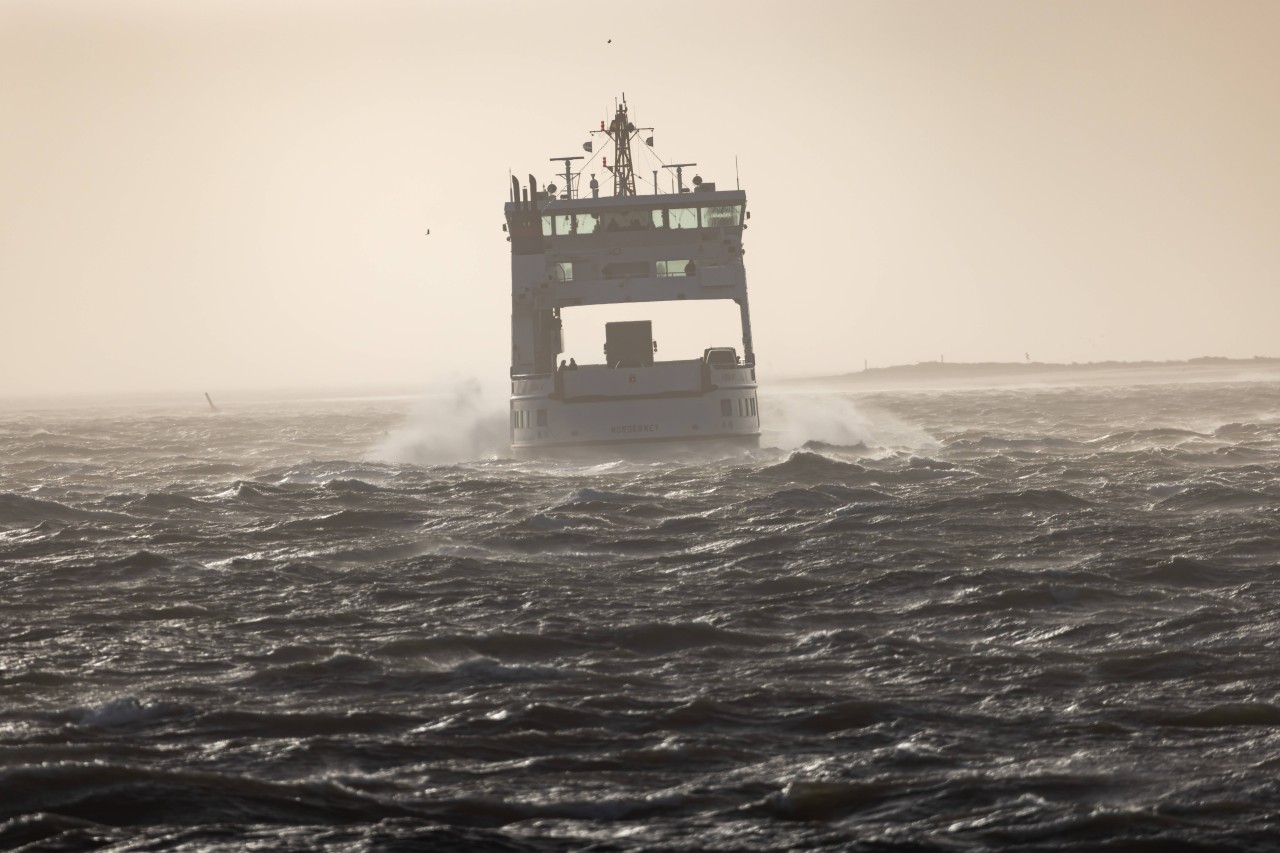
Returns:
point(568, 250)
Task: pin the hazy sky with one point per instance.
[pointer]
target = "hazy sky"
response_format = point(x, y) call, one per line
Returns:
point(216, 194)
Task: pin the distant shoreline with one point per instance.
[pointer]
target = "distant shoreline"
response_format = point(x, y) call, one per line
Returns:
point(921, 376)
point(995, 373)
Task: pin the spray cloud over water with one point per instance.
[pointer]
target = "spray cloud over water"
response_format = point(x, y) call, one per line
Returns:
point(792, 420)
point(461, 426)
point(470, 423)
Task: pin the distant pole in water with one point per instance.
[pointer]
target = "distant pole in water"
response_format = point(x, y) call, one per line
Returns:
point(210, 399)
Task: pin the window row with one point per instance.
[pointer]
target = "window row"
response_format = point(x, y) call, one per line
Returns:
point(642, 219)
point(523, 418)
point(746, 407)
point(570, 270)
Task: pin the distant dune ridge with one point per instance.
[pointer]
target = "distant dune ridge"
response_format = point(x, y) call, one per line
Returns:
point(932, 373)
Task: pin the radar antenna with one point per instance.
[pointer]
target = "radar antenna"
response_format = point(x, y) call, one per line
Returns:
point(680, 167)
point(568, 173)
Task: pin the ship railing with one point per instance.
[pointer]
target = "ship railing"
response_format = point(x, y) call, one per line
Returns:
point(602, 381)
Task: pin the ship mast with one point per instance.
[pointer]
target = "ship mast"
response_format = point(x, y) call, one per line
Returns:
point(620, 131)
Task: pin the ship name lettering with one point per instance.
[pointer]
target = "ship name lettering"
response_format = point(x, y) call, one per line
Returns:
point(634, 428)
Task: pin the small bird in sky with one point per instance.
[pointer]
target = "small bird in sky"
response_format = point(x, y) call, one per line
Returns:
point(610, 41)
point(428, 234)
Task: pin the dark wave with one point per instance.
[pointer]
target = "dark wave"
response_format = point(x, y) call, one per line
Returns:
point(58, 832)
point(117, 795)
point(333, 670)
point(1229, 715)
point(351, 521)
point(1028, 500)
point(348, 485)
point(825, 801)
point(19, 510)
point(824, 449)
point(1218, 498)
point(56, 450)
point(841, 716)
point(501, 645)
point(140, 562)
point(166, 502)
point(805, 466)
point(1158, 436)
point(791, 499)
point(660, 638)
point(1186, 571)
point(1005, 442)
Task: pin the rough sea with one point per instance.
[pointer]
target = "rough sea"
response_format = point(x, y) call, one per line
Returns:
point(1020, 619)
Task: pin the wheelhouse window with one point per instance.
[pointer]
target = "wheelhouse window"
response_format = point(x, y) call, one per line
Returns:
point(724, 214)
point(643, 219)
point(631, 220)
point(679, 218)
point(562, 271)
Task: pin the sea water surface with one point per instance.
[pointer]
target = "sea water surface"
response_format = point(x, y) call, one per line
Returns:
point(1033, 619)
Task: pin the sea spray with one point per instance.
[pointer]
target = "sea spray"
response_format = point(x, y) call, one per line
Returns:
point(791, 420)
point(463, 425)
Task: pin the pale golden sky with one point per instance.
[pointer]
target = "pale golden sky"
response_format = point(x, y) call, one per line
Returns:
point(218, 194)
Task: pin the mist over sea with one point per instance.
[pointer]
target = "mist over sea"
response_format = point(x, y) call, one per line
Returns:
point(1026, 618)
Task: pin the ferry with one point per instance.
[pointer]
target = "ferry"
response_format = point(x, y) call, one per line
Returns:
point(570, 249)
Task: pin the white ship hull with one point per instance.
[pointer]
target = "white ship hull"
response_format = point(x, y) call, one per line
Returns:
point(681, 402)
